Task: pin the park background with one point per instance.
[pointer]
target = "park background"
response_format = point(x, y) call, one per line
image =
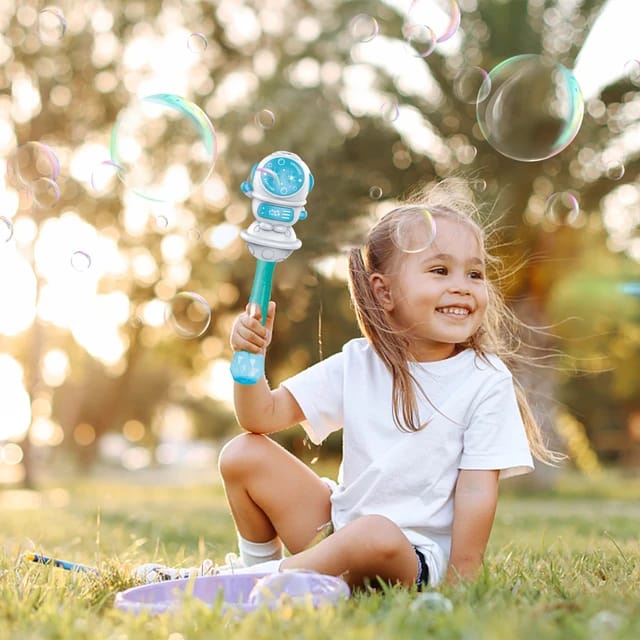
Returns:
point(95, 372)
point(115, 308)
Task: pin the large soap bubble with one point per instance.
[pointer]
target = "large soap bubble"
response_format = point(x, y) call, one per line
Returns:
point(165, 145)
point(533, 109)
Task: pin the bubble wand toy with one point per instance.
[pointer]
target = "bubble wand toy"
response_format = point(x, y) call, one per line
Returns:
point(278, 187)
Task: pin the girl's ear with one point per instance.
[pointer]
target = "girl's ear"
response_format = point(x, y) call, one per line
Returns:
point(381, 290)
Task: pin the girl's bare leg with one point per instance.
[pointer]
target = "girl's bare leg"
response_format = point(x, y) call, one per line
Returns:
point(369, 547)
point(272, 493)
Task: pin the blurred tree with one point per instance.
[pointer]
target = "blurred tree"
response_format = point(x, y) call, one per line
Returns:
point(325, 95)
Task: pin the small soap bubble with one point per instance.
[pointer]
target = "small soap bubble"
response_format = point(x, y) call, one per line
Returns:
point(165, 145)
point(479, 185)
point(421, 38)
point(415, 229)
point(615, 170)
point(472, 85)
point(390, 111)
point(194, 234)
point(442, 16)
point(52, 25)
point(6, 229)
point(105, 176)
point(562, 208)
point(431, 601)
point(265, 119)
point(632, 71)
point(197, 42)
point(188, 314)
point(375, 193)
point(80, 261)
point(291, 588)
point(46, 193)
point(533, 110)
point(162, 222)
point(363, 27)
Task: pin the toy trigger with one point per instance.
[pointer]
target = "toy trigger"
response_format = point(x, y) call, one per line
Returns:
point(246, 187)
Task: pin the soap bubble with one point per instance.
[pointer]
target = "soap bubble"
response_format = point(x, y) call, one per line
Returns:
point(363, 27)
point(80, 261)
point(46, 193)
point(431, 601)
point(415, 229)
point(197, 42)
point(533, 110)
point(472, 85)
point(421, 38)
point(298, 588)
point(375, 193)
point(52, 25)
point(615, 170)
point(165, 145)
point(390, 111)
point(265, 119)
point(188, 314)
point(30, 162)
point(562, 208)
point(442, 17)
point(104, 176)
point(6, 229)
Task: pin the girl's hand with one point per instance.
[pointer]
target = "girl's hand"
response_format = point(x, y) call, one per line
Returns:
point(248, 334)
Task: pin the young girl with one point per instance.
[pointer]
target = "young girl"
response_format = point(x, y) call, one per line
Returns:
point(431, 417)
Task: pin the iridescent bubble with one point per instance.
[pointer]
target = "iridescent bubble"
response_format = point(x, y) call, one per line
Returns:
point(80, 261)
point(46, 193)
point(421, 38)
point(533, 110)
point(375, 193)
point(442, 16)
point(363, 27)
point(390, 111)
point(479, 185)
point(265, 119)
point(162, 222)
point(188, 314)
point(52, 25)
point(298, 588)
point(6, 229)
point(472, 85)
point(615, 170)
point(562, 208)
point(415, 229)
point(30, 162)
point(194, 234)
point(432, 602)
point(105, 176)
point(197, 42)
point(632, 71)
point(165, 145)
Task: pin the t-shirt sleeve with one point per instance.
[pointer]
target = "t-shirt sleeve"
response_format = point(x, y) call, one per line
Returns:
point(495, 437)
point(319, 392)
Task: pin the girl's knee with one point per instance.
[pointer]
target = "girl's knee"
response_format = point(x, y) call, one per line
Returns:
point(383, 536)
point(241, 454)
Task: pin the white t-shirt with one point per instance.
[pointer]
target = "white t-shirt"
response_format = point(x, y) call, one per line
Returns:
point(409, 477)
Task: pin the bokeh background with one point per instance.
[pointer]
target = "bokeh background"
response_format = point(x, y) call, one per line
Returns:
point(121, 265)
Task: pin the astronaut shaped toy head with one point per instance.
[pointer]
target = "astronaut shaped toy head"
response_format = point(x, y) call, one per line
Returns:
point(278, 186)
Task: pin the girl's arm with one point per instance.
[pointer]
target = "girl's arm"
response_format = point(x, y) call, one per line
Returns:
point(258, 408)
point(475, 500)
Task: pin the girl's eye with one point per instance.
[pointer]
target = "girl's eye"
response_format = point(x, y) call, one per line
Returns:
point(439, 270)
point(478, 275)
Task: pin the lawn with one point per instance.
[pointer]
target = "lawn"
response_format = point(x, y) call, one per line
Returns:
point(559, 565)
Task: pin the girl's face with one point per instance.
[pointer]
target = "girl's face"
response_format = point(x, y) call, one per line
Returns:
point(439, 295)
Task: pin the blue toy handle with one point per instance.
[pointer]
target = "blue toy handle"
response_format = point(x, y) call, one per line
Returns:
point(246, 367)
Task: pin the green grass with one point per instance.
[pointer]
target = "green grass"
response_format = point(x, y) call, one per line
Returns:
point(559, 565)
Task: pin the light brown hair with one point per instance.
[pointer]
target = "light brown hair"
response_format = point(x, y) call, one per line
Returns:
point(498, 333)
